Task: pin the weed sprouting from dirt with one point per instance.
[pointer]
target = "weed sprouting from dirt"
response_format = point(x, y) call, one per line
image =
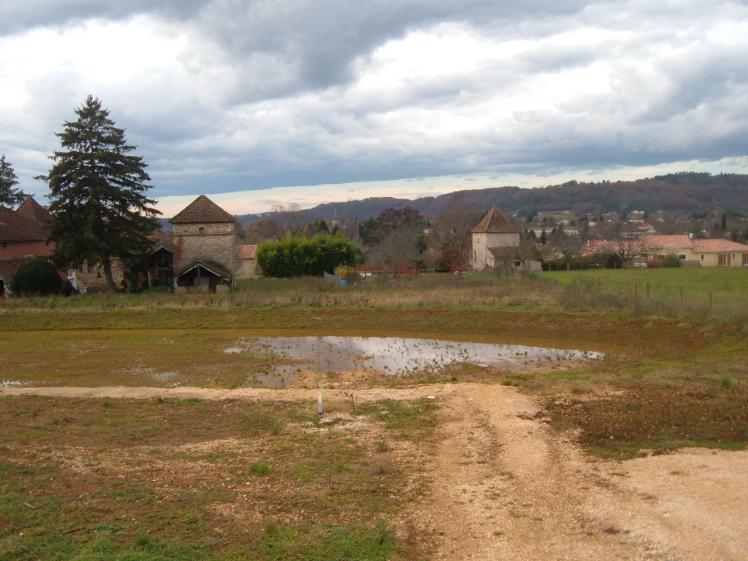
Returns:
point(382, 446)
point(259, 468)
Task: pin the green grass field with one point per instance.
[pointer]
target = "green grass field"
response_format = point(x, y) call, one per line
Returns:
point(729, 287)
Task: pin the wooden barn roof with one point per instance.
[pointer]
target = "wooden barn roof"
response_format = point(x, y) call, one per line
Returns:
point(202, 210)
point(215, 268)
point(494, 222)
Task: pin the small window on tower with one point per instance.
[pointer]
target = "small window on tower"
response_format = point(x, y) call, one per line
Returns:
point(201, 230)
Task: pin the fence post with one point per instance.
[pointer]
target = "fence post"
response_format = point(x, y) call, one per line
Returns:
point(710, 299)
point(681, 295)
point(647, 291)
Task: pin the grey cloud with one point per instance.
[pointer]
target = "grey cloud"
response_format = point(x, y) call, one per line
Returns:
point(19, 15)
point(279, 48)
point(669, 99)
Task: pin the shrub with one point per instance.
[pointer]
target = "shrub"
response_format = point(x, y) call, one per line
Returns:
point(672, 262)
point(36, 277)
point(295, 257)
point(347, 273)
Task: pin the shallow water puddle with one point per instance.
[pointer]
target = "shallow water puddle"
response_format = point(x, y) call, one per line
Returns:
point(13, 384)
point(400, 356)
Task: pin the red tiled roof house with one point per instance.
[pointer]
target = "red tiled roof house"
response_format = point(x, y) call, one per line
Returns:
point(23, 233)
point(713, 252)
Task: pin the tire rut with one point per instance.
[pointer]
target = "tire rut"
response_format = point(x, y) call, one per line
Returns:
point(505, 488)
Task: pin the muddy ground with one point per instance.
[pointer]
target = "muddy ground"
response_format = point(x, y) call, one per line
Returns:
point(495, 479)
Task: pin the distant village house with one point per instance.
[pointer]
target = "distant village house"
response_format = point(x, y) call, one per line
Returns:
point(653, 250)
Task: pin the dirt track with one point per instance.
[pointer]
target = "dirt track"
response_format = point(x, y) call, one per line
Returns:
point(251, 394)
point(506, 487)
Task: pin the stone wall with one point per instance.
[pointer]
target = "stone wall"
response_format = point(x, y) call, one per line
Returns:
point(92, 277)
point(246, 269)
point(213, 242)
point(480, 258)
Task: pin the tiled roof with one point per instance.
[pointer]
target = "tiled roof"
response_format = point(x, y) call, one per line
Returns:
point(717, 245)
point(502, 252)
point(674, 241)
point(495, 223)
point(247, 252)
point(18, 228)
point(202, 210)
point(600, 246)
point(32, 210)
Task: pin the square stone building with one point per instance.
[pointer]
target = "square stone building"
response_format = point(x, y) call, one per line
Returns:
point(495, 243)
point(207, 253)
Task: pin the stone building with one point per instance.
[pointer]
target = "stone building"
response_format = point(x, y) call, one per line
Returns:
point(495, 243)
point(207, 252)
point(89, 277)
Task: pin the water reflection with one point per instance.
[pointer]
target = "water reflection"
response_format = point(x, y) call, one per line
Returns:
point(399, 356)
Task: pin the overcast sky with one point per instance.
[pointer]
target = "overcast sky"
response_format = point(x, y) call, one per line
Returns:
point(241, 95)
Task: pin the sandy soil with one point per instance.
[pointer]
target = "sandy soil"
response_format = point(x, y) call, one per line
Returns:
point(505, 486)
point(252, 394)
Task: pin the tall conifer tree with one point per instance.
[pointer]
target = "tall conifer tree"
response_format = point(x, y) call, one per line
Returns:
point(98, 193)
point(9, 194)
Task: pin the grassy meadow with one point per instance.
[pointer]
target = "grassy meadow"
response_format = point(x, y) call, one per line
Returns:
point(130, 480)
point(687, 286)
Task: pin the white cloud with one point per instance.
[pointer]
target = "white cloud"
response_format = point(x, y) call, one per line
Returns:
point(223, 96)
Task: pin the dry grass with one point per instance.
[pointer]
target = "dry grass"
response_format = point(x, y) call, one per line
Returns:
point(205, 480)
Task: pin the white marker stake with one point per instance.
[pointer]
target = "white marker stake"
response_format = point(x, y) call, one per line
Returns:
point(320, 406)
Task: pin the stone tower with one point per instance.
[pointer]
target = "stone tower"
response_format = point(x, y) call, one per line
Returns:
point(204, 243)
point(493, 239)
